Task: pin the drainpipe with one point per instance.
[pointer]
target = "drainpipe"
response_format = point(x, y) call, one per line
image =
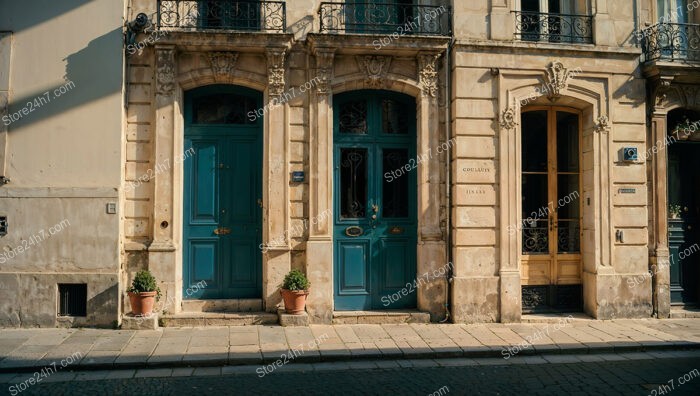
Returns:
point(448, 173)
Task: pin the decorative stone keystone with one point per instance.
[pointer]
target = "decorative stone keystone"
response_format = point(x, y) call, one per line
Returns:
point(375, 68)
point(223, 63)
point(557, 80)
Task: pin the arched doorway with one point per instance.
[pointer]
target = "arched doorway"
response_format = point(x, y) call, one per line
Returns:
point(222, 216)
point(375, 190)
point(551, 261)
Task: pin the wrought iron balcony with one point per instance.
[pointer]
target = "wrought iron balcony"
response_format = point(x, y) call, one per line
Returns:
point(553, 28)
point(672, 42)
point(402, 18)
point(241, 15)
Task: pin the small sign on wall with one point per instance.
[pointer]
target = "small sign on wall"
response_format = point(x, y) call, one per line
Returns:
point(298, 176)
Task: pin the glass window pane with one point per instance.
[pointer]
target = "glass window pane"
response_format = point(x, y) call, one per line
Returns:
point(535, 237)
point(353, 117)
point(395, 184)
point(535, 202)
point(394, 117)
point(353, 183)
point(224, 109)
point(569, 202)
point(534, 141)
point(535, 215)
point(569, 236)
point(567, 142)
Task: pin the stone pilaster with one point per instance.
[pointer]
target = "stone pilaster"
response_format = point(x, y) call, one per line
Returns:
point(275, 195)
point(509, 179)
point(658, 249)
point(432, 252)
point(319, 248)
point(161, 258)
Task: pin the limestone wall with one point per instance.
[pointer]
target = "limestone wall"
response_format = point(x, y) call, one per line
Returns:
point(63, 156)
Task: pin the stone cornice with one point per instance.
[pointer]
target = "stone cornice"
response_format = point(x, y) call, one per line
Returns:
point(200, 41)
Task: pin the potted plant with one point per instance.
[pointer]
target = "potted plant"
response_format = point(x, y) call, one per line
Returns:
point(674, 211)
point(295, 288)
point(143, 293)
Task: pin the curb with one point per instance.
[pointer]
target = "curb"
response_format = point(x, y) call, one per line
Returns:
point(475, 352)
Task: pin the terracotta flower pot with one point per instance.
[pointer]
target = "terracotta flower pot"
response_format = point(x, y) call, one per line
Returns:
point(294, 301)
point(142, 303)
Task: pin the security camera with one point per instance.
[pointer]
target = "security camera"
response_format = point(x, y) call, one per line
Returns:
point(138, 24)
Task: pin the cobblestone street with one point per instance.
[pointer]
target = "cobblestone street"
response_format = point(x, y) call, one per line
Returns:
point(631, 374)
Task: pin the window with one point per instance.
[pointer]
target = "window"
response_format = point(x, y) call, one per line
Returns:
point(672, 11)
point(72, 299)
point(554, 21)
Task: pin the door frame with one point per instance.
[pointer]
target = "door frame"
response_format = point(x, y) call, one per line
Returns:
point(554, 257)
point(374, 149)
point(195, 291)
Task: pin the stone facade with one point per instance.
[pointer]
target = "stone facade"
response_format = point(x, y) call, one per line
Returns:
point(470, 87)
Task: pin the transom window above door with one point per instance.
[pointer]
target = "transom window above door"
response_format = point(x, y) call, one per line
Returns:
point(375, 116)
point(558, 21)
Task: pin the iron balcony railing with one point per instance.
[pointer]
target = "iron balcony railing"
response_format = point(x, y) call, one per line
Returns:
point(242, 15)
point(671, 41)
point(553, 28)
point(401, 18)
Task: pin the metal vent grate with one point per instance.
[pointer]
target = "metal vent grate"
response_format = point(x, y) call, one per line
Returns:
point(72, 299)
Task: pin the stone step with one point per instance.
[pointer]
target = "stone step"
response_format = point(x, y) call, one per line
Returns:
point(380, 317)
point(685, 312)
point(230, 305)
point(554, 317)
point(192, 319)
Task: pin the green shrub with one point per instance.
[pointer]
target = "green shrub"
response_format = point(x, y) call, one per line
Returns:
point(295, 280)
point(144, 281)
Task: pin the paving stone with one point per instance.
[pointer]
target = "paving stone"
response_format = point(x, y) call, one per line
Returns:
point(151, 373)
point(199, 371)
point(183, 371)
point(118, 374)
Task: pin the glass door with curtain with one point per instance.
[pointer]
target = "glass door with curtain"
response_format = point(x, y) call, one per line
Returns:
point(551, 210)
point(551, 20)
point(672, 16)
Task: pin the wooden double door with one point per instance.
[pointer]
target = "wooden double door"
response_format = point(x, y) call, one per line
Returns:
point(551, 269)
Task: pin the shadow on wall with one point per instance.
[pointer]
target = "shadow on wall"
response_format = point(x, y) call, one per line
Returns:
point(91, 74)
point(25, 14)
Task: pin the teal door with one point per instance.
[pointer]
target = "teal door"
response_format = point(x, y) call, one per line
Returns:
point(684, 232)
point(375, 176)
point(222, 194)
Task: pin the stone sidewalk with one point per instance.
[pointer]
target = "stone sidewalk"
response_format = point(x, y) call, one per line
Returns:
point(94, 349)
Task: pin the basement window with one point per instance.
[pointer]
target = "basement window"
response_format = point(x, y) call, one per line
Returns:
point(72, 299)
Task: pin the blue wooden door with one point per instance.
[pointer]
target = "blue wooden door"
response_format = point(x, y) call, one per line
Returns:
point(222, 194)
point(684, 232)
point(375, 200)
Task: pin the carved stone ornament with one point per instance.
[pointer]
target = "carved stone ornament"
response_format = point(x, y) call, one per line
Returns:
point(165, 71)
point(603, 124)
point(376, 68)
point(557, 80)
point(223, 63)
point(508, 119)
point(427, 74)
point(324, 71)
point(275, 72)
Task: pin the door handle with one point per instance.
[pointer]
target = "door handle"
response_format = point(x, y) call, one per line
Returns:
point(551, 223)
point(222, 231)
point(260, 203)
